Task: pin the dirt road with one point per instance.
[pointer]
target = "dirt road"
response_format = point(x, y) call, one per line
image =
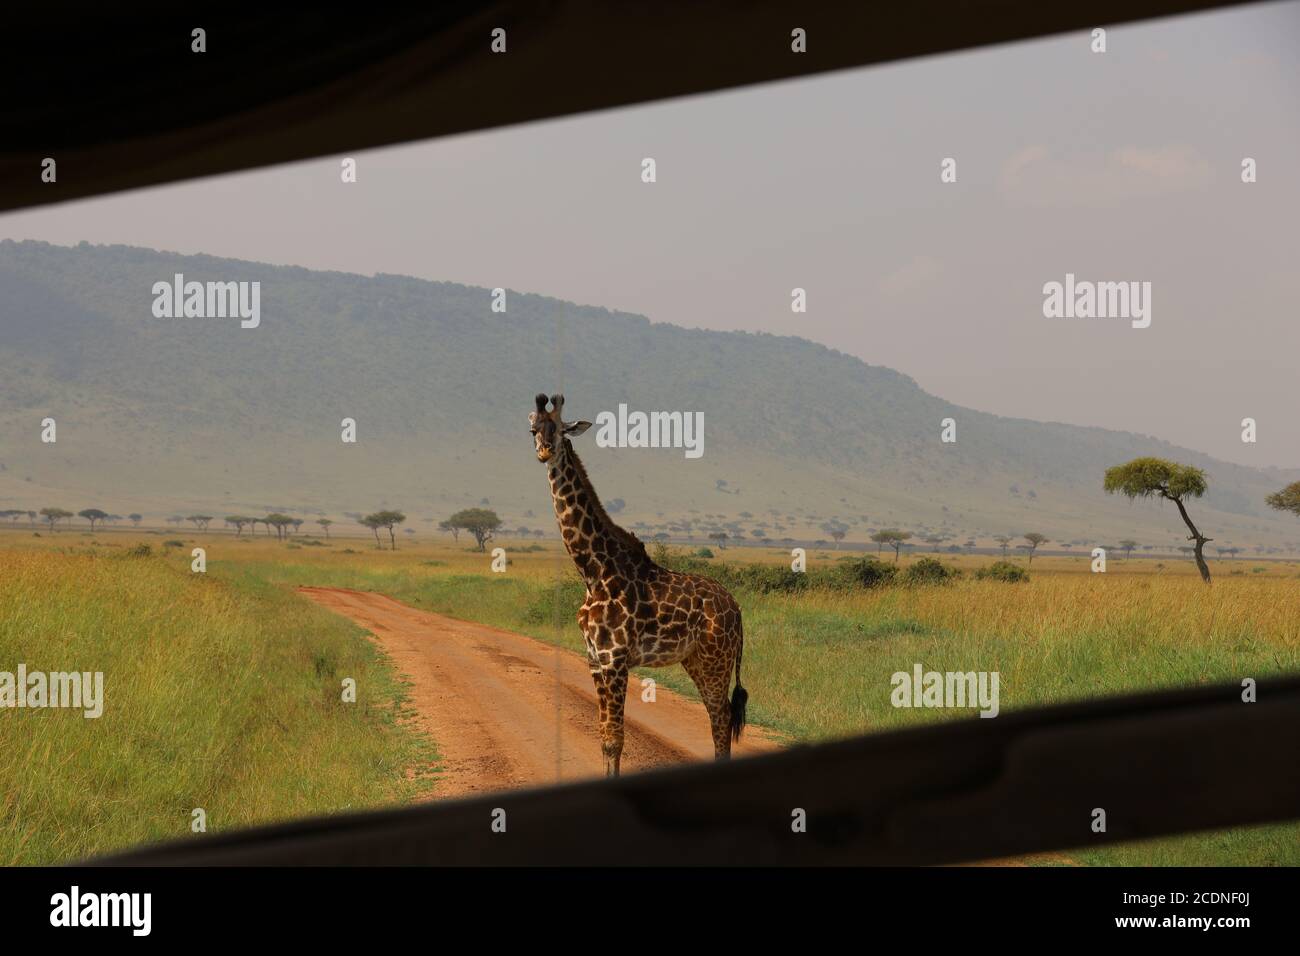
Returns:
point(509, 711)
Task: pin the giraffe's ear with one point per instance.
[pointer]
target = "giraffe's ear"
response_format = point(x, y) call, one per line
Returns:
point(576, 428)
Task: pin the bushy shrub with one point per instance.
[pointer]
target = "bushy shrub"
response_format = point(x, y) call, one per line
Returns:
point(1002, 571)
point(173, 543)
point(675, 560)
point(929, 571)
point(867, 572)
point(703, 553)
point(556, 603)
point(139, 551)
point(761, 578)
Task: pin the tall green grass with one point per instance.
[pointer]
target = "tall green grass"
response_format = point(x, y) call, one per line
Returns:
point(220, 694)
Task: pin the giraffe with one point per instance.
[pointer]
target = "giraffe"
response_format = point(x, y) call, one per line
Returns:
point(637, 613)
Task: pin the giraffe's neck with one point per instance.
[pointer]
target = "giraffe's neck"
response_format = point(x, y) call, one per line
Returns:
point(598, 546)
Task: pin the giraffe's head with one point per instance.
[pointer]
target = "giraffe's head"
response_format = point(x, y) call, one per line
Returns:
point(549, 430)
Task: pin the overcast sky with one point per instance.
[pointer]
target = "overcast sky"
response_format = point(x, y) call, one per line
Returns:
point(1116, 167)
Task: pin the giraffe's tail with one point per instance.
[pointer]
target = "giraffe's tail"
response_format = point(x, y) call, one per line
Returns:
point(739, 696)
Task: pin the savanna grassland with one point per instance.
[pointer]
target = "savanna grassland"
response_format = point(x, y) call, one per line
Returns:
point(223, 688)
point(218, 696)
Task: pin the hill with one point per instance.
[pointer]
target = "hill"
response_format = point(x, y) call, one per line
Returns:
point(170, 415)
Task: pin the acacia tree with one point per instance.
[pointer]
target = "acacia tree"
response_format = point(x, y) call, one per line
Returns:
point(1004, 541)
point(1034, 539)
point(54, 515)
point(390, 520)
point(325, 526)
point(1288, 499)
point(1128, 544)
point(371, 522)
point(280, 522)
point(136, 519)
point(448, 526)
point(92, 515)
point(482, 523)
point(836, 530)
point(200, 521)
point(238, 521)
point(1159, 478)
point(893, 538)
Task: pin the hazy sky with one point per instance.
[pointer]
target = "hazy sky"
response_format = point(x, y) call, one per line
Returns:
point(1123, 166)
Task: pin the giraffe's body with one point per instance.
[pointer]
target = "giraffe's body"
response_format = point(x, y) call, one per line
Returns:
point(637, 613)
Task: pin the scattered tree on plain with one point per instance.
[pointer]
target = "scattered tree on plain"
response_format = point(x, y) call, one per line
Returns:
point(482, 523)
point(238, 521)
point(892, 537)
point(836, 530)
point(1159, 478)
point(280, 522)
point(53, 516)
point(373, 524)
point(390, 520)
point(1034, 539)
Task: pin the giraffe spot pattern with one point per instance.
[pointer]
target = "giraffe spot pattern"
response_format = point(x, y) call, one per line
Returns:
point(637, 613)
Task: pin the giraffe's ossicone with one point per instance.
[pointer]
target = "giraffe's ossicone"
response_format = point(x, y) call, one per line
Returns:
point(637, 613)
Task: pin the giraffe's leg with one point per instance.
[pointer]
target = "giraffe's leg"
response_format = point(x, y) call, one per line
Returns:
point(609, 674)
point(712, 676)
point(611, 725)
point(602, 699)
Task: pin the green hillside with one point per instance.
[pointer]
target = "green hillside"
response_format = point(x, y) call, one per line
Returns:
point(171, 415)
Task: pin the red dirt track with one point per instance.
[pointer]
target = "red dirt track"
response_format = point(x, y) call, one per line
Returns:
point(509, 711)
